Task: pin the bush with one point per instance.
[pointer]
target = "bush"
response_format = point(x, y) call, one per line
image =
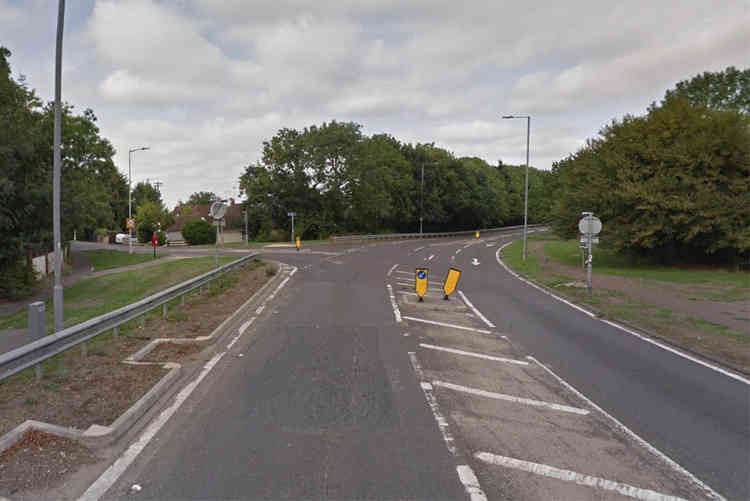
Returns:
point(199, 232)
point(277, 235)
point(162, 236)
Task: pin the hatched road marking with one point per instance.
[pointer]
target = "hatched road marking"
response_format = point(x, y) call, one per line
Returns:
point(396, 311)
point(442, 324)
point(476, 311)
point(472, 354)
point(510, 398)
point(572, 476)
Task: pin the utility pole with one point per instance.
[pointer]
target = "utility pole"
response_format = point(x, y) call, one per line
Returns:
point(421, 201)
point(130, 196)
point(57, 291)
point(158, 185)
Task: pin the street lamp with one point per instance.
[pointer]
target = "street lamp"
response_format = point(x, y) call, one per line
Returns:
point(57, 289)
point(526, 189)
point(130, 196)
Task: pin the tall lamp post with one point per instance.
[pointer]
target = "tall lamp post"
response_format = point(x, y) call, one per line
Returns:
point(57, 290)
point(130, 196)
point(526, 189)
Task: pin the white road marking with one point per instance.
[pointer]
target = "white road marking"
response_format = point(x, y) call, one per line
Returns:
point(475, 310)
point(260, 309)
point(468, 245)
point(442, 324)
point(408, 293)
point(679, 353)
point(510, 398)
point(653, 450)
point(396, 311)
point(432, 402)
point(392, 268)
point(572, 476)
point(432, 256)
point(429, 287)
point(107, 479)
point(475, 262)
point(472, 354)
point(471, 483)
point(418, 249)
point(458, 251)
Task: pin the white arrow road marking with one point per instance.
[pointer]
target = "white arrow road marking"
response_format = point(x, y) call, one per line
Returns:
point(475, 262)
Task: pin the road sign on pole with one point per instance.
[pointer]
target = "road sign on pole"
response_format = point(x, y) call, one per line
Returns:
point(292, 214)
point(130, 223)
point(590, 226)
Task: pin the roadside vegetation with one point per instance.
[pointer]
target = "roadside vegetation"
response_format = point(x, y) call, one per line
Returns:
point(105, 259)
point(86, 299)
point(697, 309)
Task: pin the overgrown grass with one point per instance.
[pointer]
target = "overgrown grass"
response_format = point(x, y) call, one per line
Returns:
point(104, 259)
point(96, 296)
point(513, 255)
point(608, 262)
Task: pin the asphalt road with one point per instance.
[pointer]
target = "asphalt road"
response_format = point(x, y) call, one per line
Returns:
point(325, 404)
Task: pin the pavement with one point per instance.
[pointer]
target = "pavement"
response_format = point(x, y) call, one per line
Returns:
point(345, 386)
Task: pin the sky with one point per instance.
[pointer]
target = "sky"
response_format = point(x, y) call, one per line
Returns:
point(204, 82)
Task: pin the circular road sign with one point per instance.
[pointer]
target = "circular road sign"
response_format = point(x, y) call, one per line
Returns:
point(421, 275)
point(596, 225)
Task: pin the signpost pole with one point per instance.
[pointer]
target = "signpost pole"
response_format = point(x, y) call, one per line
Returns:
point(292, 227)
point(216, 247)
point(590, 256)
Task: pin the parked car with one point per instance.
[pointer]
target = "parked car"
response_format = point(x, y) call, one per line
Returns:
point(122, 238)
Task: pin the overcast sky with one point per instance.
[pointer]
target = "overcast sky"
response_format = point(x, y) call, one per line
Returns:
point(204, 82)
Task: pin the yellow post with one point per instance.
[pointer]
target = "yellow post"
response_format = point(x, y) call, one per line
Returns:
point(298, 243)
point(451, 282)
point(420, 282)
point(477, 235)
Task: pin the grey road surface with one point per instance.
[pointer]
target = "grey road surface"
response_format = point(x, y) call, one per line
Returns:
point(325, 404)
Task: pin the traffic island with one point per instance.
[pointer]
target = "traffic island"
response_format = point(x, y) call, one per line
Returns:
point(93, 399)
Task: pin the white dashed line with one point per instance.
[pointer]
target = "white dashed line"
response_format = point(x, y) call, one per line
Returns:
point(432, 256)
point(392, 268)
point(396, 312)
point(510, 398)
point(472, 354)
point(572, 476)
point(476, 311)
point(418, 249)
point(442, 324)
point(458, 251)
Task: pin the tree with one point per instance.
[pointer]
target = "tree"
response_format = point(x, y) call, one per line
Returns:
point(202, 198)
point(199, 232)
point(151, 217)
point(724, 90)
point(145, 192)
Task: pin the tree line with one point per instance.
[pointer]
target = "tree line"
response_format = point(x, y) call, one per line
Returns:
point(94, 193)
point(338, 180)
point(672, 185)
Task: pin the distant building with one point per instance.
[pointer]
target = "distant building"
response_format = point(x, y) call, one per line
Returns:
point(184, 213)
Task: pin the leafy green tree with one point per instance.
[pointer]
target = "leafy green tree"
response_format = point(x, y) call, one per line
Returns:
point(724, 90)
point(145, 192)
point(202, 198)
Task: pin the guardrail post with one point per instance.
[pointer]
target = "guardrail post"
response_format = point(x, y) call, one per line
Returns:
point(164, 310)
point(182, 300)
point(37, 329)
point(142, 321)
point(116, 332)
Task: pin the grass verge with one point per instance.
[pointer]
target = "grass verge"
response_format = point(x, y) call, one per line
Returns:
point(105, 259)
point(96, 296)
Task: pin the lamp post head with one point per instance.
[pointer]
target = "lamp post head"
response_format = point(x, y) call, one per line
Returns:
point(508, 116)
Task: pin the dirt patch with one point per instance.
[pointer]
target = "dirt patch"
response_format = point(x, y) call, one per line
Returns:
point(170, 352)
point(719, 330)
point(77, 391)
point(201, 314)
point(40, 461)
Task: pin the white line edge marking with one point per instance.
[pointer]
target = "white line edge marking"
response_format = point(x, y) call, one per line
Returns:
point(391, 270)
point(396, 311)
point(510, 398)
point(471, 483)
point(475, 310)
point(472, 354)
point(653, 450)
point(572, 476)
point(432, 256)
point(418, 249)
point(107, 479)
point(442, 324)
point(624, 329)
